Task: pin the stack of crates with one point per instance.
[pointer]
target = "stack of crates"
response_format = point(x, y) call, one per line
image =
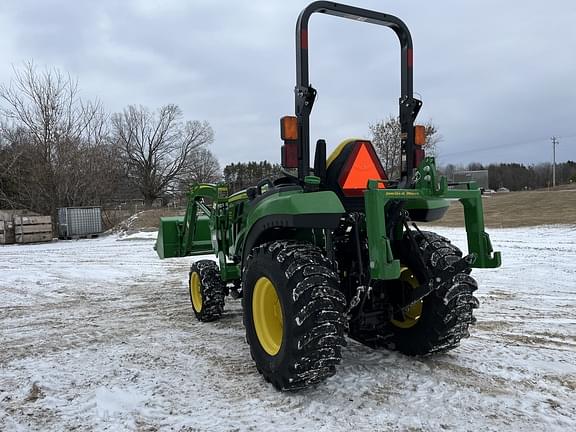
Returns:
point(24, 226)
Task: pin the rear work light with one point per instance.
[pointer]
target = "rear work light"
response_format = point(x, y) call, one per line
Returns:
point(361, 166)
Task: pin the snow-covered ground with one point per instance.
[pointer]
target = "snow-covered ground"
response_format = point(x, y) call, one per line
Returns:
point(99, 335)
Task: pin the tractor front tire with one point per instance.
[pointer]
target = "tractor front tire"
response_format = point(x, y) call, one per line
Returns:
point(440, 320)
point(293, 313)
point(206, 290)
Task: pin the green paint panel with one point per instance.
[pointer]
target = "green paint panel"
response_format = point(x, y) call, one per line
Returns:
point(296, 203)
point(168, 241)
point(427, 204)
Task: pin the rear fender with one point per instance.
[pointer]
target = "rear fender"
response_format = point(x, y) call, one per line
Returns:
point(290, 215)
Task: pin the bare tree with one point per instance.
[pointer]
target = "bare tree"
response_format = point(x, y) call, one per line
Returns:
point(8, 159)
point(55, 141)
point(157, 146)
point(433, 138)
point(202, 167)
point(450, 169)
point(386, 140)
point(46, 104)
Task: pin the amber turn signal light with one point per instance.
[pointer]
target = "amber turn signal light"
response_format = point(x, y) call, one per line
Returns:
point(419, 135)
point(289, 128)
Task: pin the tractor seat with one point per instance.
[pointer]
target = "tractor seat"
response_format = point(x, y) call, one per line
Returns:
point(349, 168)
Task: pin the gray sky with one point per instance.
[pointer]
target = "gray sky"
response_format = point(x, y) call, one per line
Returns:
point(497, 77)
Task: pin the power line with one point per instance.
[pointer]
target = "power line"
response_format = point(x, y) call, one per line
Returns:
point(499, 146)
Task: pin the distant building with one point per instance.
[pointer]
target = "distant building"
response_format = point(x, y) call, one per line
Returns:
point(480, 177)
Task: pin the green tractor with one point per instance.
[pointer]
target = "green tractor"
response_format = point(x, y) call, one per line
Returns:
point(334, 250)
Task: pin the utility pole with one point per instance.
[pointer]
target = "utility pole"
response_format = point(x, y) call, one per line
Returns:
point(555, 142)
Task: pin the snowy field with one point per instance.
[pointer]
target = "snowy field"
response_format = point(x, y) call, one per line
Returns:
point(99, 335)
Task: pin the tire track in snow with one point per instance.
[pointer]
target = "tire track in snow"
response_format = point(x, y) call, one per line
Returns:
point(110, 339)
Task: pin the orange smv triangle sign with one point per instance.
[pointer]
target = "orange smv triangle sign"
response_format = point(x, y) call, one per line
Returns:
point(363, 169)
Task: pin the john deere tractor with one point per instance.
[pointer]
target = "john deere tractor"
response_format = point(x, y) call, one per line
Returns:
point(333, 251)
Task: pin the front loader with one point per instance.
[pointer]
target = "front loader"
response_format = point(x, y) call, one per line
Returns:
point(333, 250)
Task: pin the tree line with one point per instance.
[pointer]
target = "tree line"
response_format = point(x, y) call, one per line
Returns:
point(59, 150)
point(518, 177)
point(241, 175)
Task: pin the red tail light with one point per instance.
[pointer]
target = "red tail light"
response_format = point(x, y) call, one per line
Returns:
point(290, 154)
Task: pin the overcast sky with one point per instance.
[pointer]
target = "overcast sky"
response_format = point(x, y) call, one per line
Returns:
point(498, 78)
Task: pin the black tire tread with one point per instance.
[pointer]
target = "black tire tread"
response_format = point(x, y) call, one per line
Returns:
point(317, 330)
point(448, 311)
point(212, 289)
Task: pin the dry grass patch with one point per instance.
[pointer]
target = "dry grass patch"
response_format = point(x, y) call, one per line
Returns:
point(521, 209)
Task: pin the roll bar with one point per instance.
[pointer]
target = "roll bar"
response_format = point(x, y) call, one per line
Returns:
point(305, 94)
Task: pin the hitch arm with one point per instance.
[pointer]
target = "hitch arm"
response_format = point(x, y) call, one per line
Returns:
point(382, 262)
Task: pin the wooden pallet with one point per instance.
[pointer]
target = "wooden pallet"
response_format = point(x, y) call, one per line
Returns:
point(32, 229)
point(7, 232)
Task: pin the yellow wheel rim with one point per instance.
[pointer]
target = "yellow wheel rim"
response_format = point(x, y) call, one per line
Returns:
point(195, 292)
point(267, 316)
point(412, 313)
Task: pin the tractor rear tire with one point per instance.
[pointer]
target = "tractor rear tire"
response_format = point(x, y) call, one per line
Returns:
point(443, 317)
point(293, 313)
point(206, 290)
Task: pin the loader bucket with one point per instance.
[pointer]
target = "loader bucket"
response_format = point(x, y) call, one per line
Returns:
point(202, 242)
point(168, 242)
point(171, 244)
